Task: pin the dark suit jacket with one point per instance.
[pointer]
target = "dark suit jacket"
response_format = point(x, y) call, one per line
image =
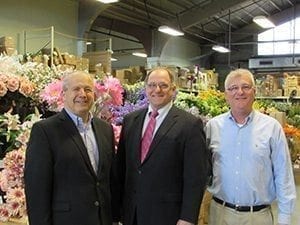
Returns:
point(60, 184)
point(169, 184)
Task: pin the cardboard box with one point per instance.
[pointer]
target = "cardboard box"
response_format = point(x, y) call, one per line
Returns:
point(291, 81)
point(7, 50)
point(288, 91)
point(82, 64)
point(124, 75)
point(279, 92)
point(99, 58)
point(280, 117)
point(6, 41)
point(69, 59)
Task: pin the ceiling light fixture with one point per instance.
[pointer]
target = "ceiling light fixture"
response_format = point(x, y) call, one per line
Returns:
point(170, 31)
point(263, 22)
point(88, 43)
point(220, 49)
point(113, 59)
point(139, 54)
point(107, 1)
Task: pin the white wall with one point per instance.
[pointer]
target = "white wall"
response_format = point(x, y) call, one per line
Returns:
point(19, 15)
point(179, 52)
point(125, 59)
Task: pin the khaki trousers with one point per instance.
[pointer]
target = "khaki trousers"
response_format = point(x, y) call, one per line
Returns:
point(221, 215)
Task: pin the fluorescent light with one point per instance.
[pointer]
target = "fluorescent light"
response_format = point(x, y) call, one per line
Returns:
point(139, 54)
point(107, 1)
point(88, 43)
point(263, 22)
point(220, 49)
point(170, 31)
point(113, 59)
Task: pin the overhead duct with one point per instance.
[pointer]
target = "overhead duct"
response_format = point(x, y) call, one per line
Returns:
point(276, 62)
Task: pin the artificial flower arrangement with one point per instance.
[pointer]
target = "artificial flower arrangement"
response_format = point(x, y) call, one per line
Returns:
point(11, 177)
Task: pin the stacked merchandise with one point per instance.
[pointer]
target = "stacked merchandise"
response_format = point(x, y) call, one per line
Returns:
point(7, 45)
point(269, 86)
point(291, 84)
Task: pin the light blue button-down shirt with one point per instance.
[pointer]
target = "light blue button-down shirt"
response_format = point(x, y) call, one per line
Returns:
point(88, 137)
point(251, 162)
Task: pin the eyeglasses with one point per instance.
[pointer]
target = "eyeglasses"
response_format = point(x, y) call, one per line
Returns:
point(234, 89)
point(162, 86)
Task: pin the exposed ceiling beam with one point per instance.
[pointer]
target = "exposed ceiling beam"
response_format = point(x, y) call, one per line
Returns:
point(206, 31)
point(243, 8)
point(154, 8)
point(262, 9)
point(241, 19)
point(290, 2)
point(248, 13)
point(123, 17)
point(225, 21)
point(277, 18)
point(199, 4)
point(184, 4)
point(276, 6)
point(198, 14)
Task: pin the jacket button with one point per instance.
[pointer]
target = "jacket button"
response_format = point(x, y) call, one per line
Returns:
point(139, 171)
point(96, 203)
point(98, 184)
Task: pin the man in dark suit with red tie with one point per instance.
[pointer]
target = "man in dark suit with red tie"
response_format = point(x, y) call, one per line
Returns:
point(163, 171)
point(69, 160)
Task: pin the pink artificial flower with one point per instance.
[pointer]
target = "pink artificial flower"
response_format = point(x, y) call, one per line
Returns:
point(14, 208)
point(14, 168)
point(4, 213)
point(52, 94)
point(115, 90)
point(26, 87)
point(3, 88)
point(13, 83)
point(15, 194)
point(24, 137)
point(117, 131)
point(4, 78)
point(3, 180)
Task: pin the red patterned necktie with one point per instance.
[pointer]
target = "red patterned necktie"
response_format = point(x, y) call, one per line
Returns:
point(148, 135)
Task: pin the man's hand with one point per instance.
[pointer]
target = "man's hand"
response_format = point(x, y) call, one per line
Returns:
point(182, 222)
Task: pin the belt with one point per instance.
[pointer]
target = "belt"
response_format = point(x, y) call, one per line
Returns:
point(240, 208)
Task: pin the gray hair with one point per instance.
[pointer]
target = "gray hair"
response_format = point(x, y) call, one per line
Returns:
point(66, 78)
point(238, 73)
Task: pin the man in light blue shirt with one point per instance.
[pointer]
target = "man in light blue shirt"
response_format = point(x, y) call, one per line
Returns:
point(250, 160)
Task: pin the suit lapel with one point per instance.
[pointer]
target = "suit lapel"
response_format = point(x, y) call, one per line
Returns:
point(72, 131)
point(166, 125)
point(101, 142)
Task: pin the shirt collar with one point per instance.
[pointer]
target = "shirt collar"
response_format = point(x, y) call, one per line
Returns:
point(162, 110)
point(78, 120)
point(249, 118)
